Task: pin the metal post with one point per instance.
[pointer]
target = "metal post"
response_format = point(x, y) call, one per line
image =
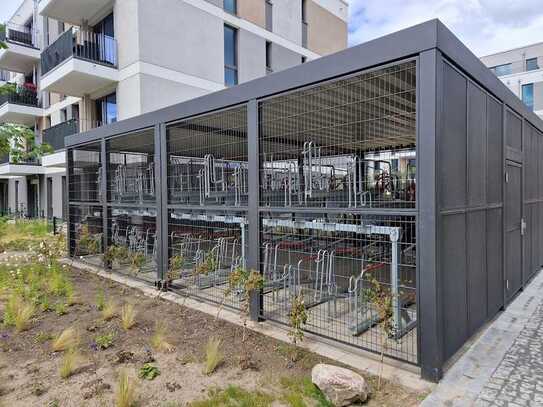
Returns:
point(253, 255)
point(161, 188)
point(430, 326)
point(103, 197)
point(67, 203)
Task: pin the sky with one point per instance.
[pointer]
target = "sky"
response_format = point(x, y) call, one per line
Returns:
point(485, 26)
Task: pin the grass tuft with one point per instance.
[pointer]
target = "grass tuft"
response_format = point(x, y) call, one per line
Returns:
point(126, 392)
point(109, 310)
point(68, 363)
point(234, 396)
point(214, 356)
point(23, 316)
point(159, 340)
point(299, 389)
point(69, 338)
point(128, 316)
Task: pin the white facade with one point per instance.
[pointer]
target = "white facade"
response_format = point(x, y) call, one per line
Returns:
point(521, 70)
point(98, 61)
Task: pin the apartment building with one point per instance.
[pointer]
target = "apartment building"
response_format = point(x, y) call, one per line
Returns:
point(80, 64)
point(520, 69)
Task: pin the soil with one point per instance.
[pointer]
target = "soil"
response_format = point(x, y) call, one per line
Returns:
point(29, 369)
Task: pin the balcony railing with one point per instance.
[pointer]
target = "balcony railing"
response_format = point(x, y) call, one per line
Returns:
point(95, 47)
point(18, 34)
point(54, 136)
point(20, 95)
point(6, 159)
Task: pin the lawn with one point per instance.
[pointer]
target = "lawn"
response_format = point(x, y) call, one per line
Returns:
point(71, 338)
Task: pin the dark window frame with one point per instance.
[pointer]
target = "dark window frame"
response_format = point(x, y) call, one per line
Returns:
point(269, 67)
point(228, 67)
point(528, 64)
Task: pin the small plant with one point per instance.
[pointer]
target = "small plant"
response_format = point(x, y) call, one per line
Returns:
point(214, 356)
point(159, 340)
point(235, 396)
point(148, 372)
point(104, 341)
point(23, 315)
point(60, 308)
point(69, 338)
point(382, 301)
point(109, 310)
point(68, 363)
point(14, 304)
point(45, 306)
point(43, 337)
point(297, 319)
point(176, 264)
point(137, 261)
point(126, 392)
point(128, 316)
point(100, 300)
point(207, 266)
point(117, 254)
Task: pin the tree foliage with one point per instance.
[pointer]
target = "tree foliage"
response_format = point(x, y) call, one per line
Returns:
point(3, 44)
point(20, 143)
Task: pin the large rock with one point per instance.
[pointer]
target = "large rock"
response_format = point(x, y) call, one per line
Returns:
point(341, 386)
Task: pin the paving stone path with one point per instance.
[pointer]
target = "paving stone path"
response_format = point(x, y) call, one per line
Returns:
point(518, 380)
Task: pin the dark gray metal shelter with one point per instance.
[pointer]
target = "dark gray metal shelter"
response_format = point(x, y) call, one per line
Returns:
point(403, 161)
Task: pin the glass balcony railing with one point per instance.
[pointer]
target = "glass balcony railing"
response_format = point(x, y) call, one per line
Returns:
point(55, 135)
point(95, 47)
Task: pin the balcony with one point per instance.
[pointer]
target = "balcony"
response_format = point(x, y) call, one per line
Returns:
point(54, 136)
point(8, 167)
point(79, 63)
point(19, 104)
point(73, 11)
point(22, 53)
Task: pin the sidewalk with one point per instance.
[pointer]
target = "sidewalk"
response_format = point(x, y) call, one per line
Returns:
point(504, 367)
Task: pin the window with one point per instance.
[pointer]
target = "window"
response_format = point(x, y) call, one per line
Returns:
point(61, 27)
point(230, 56)
point(304, 59)
point(269, 68)
point(501, 70)
point(528, 95)
point(269, 15)
point(531, 64)
point(106, 109)
point(63, 115)
point(304, 11)
point(230, 6)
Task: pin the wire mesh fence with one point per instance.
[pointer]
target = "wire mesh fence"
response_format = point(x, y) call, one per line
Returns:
point(207, 159)
point(84, 166)
point(131, 168)
point(86, 231)
point(348, 143)
point(132, 242)
point(341, 265)
point(204, 249)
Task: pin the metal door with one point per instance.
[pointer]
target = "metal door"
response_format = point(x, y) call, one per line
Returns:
point(514, 229)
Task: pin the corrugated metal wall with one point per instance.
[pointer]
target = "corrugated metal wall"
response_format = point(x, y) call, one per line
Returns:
point(470, 172)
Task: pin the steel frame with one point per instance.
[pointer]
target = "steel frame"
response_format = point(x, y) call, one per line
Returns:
point(429, 44)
